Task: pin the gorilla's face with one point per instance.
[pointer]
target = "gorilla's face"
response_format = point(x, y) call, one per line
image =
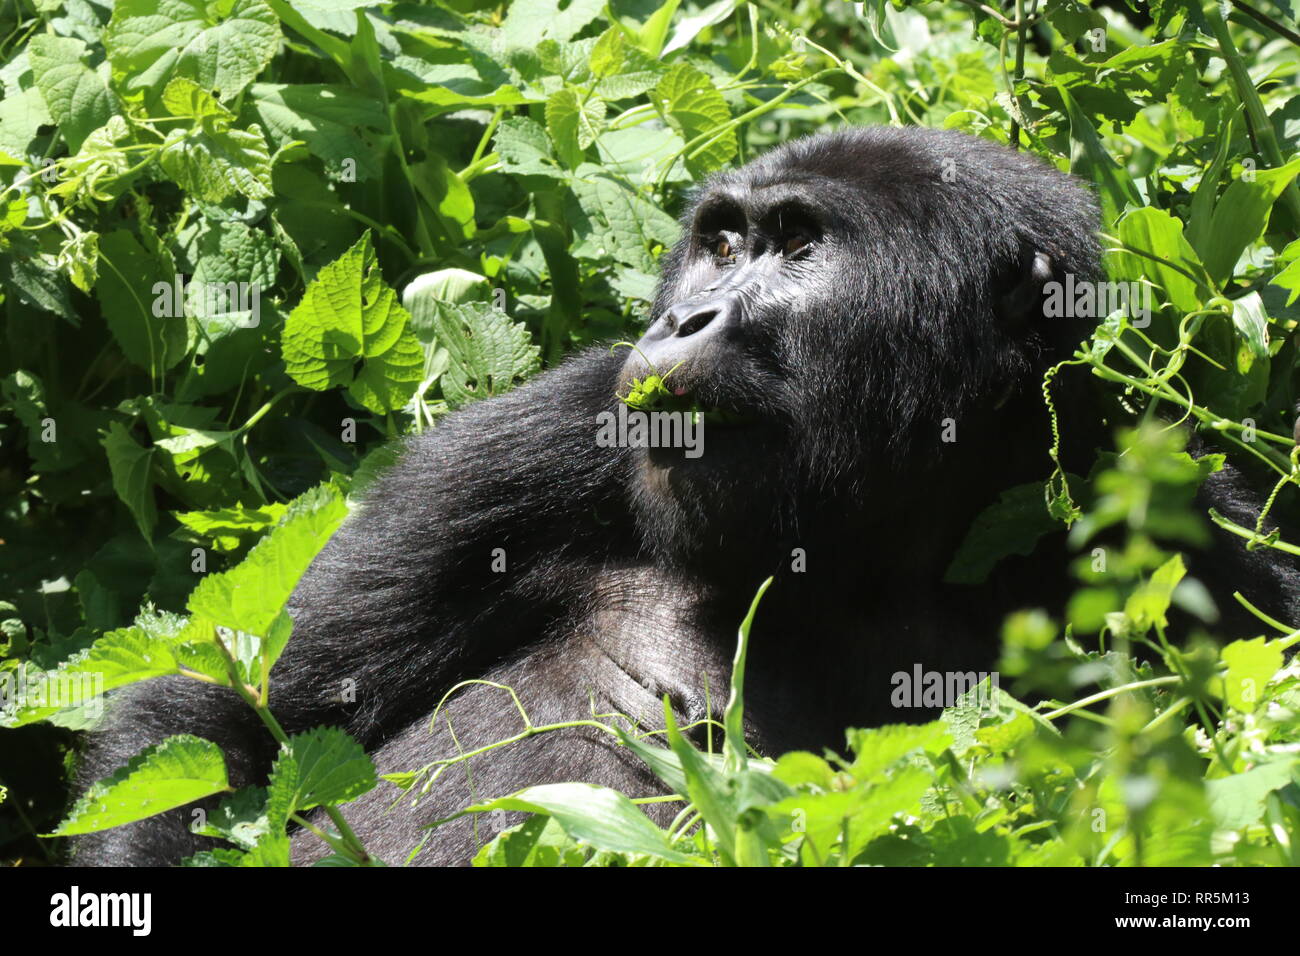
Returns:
point(829, 307)
point(752, 260)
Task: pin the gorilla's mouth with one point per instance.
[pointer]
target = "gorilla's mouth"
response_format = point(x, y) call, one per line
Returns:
point(701, 410)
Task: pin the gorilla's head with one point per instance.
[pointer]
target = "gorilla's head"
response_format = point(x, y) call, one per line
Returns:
point(838, 307)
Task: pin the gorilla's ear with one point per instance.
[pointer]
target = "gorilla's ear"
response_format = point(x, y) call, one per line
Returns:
point(1022, 294)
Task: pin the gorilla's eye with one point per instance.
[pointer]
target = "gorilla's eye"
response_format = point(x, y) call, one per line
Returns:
point(796, 243)
point(723, 247)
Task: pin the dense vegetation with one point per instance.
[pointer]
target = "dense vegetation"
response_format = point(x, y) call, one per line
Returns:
point(245, 243)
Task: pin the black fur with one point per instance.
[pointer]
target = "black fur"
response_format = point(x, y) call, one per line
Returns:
point(629, 570)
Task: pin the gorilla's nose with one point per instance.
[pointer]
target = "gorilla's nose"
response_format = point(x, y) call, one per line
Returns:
point(687, 318)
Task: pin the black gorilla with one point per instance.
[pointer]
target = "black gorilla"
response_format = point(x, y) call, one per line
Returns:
point(849, 301)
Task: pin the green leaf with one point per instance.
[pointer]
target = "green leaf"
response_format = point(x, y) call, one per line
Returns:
point(135, 292)
point(881, 747)
point(574, 122)
point(336, 122)
point(227, 529)
point(177, 771)
point(349, 330)
point(1251, 322)
point(608, 54)
point(101, 169)
point(488, 353)
point(525, 149)
point(1238, 801)
point(597, 816)
point(1147, 605)
point(529, 22)
point(1289, 277)
point(616, 221)
point(121, 657)
point(323, 766)
point(1251, 665)
point(708, 787)
point(1090, 161)
point(1241, 216)
point(129, 464)
point(222, 46)
point(1171, 263)
point(539, 841)
point(77, 96)
point(250, 595)
point(654, 32)
point(692, 106)
point(212, 160)
point(1012, 525)
point(22, 114)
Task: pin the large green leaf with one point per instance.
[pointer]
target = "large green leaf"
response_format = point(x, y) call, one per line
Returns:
point(136, 292)
point(250, 595)
point(222, 46)
point(350, 330)
point(177, 771)
point(77, 96)
point(338, 124)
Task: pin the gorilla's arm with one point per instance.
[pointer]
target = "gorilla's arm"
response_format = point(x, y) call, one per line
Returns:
point(403, 600)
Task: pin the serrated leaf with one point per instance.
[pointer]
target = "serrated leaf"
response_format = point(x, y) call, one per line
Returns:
point(349, 317)
point(487, 351)
point(615, 220)
point(250, 595)
point(222, 46)
point(323, 766)
point(880, 747)
point(177, 771)
point(123, 656)
point(525, 148)
point(692, 105)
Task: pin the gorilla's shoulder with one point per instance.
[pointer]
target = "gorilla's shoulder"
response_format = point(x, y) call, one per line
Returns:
point(505, 451)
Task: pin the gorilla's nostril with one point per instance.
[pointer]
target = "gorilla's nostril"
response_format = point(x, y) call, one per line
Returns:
point(696, 321)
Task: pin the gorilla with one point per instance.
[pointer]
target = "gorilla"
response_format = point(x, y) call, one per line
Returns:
point(857, 320)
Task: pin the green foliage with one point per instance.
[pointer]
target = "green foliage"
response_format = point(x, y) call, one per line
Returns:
point(209, 211)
